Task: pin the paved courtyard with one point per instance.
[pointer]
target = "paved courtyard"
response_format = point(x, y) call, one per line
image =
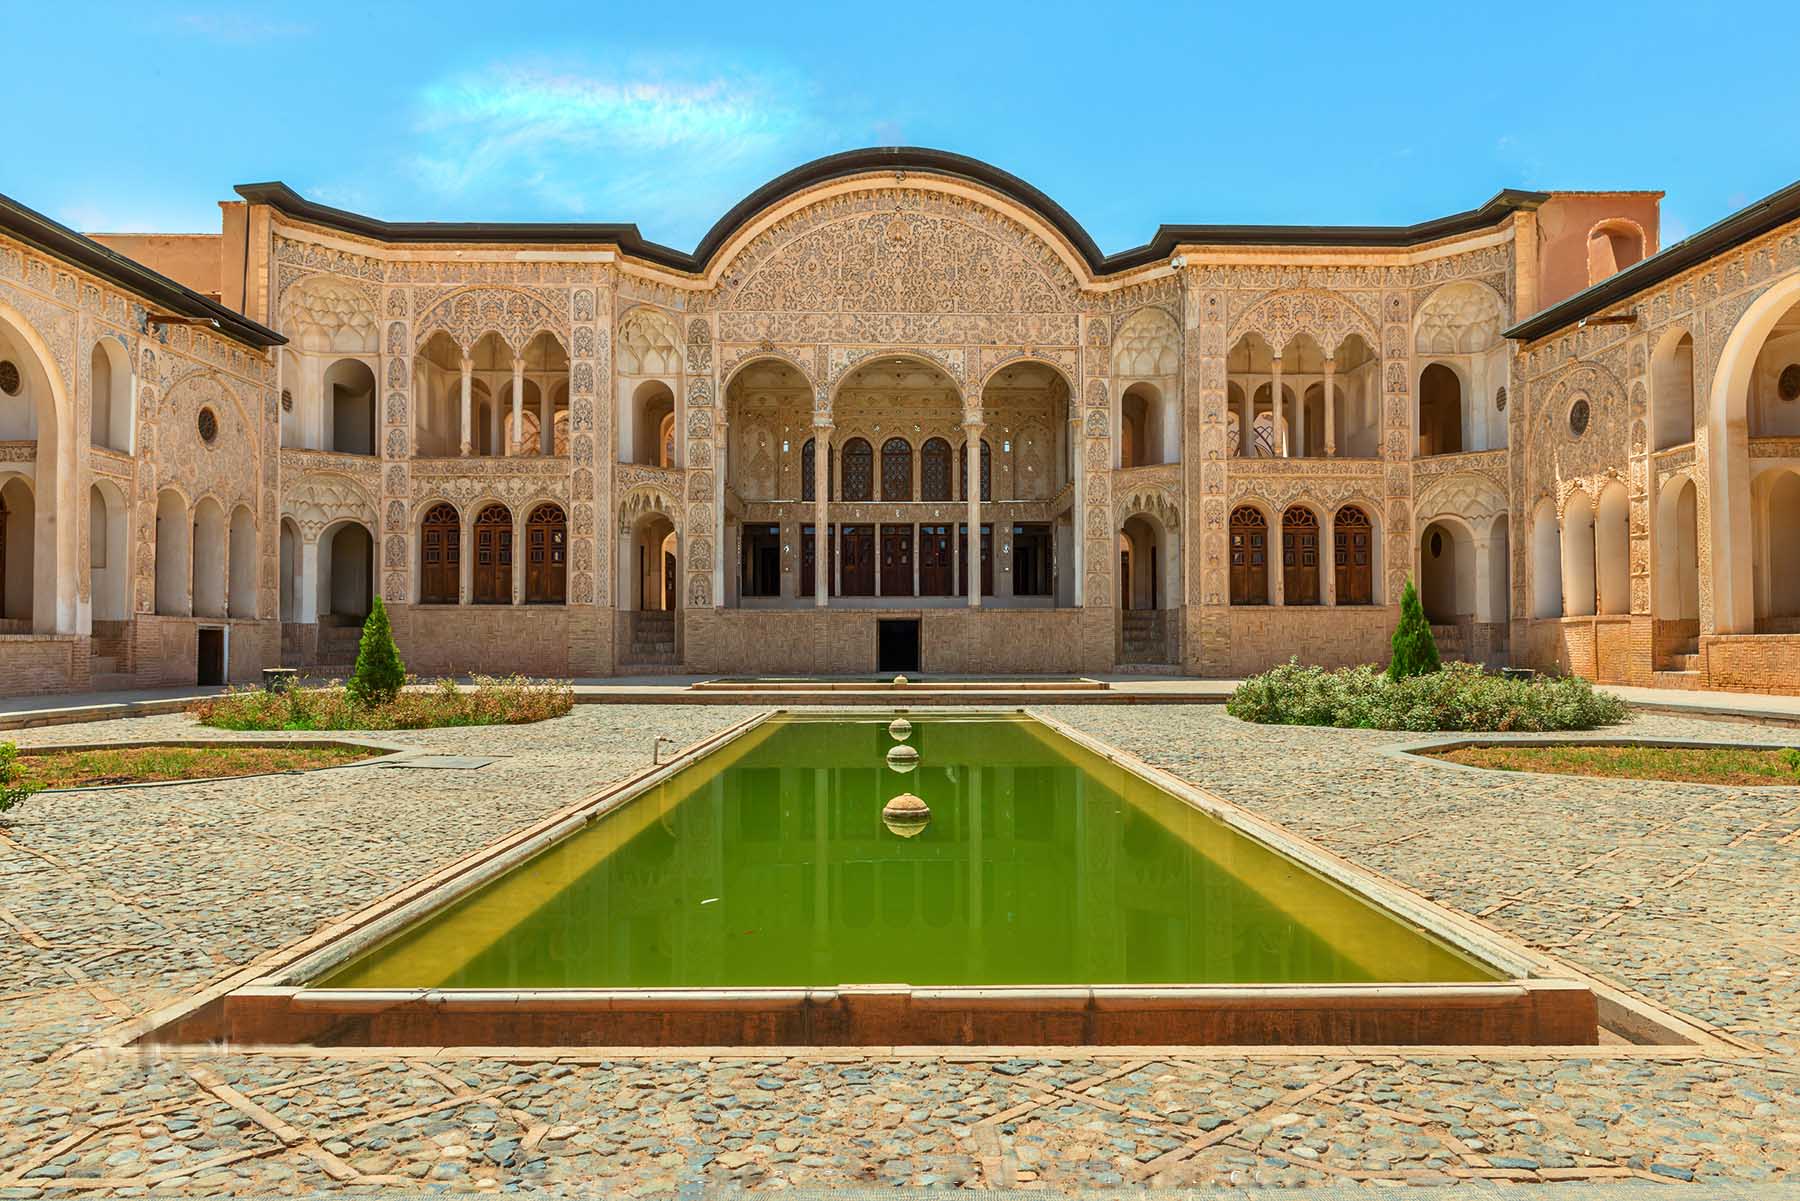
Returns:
point(117, 902)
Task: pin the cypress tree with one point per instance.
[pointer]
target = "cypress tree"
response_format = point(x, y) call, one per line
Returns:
point(1415, 650)
point(379, 672)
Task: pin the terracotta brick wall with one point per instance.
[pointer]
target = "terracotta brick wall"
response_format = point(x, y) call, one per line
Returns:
point(1751, 662)
point(31, 664)
point(456, 639)
point(1344, 636)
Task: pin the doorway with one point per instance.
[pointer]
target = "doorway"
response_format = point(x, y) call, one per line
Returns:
point(897, 644)
point(209, 667)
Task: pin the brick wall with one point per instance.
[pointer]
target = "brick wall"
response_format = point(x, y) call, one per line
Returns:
point(1751, 662)
point(31, 664)
point(1263, 636)
point(531, 640)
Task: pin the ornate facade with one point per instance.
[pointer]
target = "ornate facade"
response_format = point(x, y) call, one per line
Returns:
point(898, 412)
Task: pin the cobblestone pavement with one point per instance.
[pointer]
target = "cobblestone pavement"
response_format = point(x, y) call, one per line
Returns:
point(116, 902)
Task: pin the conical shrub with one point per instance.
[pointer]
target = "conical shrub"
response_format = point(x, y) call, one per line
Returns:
point(379, 672)
point(1415, 650)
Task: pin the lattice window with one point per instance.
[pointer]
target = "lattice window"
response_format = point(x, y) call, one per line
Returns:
point(859, 470)
point(896, 469)
point(934, 470)
point(987, 471)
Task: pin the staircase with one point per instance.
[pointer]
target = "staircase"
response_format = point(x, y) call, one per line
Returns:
point(1141, 637)
point(1452, 642)
point(652, 638)
point(339, 640)
point(109, 657)
point(1683, 660)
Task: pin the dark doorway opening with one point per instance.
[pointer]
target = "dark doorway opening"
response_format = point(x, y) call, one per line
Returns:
point(210, 668)
point(897, 645)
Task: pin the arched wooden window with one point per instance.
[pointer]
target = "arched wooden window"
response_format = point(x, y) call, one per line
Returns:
point(547, 556)
point(934, 470)
point(896, 469)
point(987, 471)
point(1249, 556)
point(440, 556)
point(493, 556)
point(859, 470)
point(1299, 557)
point(808, 460)
point(1354, 545)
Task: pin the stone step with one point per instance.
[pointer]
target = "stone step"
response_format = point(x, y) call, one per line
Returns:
point(1688, 662)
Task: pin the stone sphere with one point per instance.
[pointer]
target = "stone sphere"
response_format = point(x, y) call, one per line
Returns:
point(906, 815)
point(900, 728)
point(902, 758)
point(899, 681)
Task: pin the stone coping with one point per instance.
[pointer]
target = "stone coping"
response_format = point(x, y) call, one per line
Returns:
point(391, 753)
point(1540, 1004)
point(1425, 752)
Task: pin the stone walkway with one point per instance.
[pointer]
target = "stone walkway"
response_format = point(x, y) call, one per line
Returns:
point(117, 902)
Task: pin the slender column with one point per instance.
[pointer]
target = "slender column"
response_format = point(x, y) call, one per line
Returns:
point(722, 454)
point(1275, 412)
point(494, 424)
point(515, 444)
point(1330, 408)
point(546, 422)
point(1247, 422)
point(468, 391)
point(822, 513)
point(972, 453)
point(1077, 532)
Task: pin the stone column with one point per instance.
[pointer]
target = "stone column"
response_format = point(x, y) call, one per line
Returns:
point(972, 455)
point(306, 591)
point(1077, 532)
point(721, 459)
point(494, 424)
point(465, 430)
point(546, 422)
point(1247, 422)
point(514, 444)
point(465, 571)
point(1330, 408)
point(1282, 445)
point(822, 512)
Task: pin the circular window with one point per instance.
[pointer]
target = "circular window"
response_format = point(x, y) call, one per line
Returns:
point(287, 401)
point(1500, 399)
point(1578, 417)
point(1789, 382)
point(9, 377)
point(208, 423)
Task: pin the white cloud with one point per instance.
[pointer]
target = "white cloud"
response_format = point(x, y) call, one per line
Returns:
point(238, 27)
point(651, 143)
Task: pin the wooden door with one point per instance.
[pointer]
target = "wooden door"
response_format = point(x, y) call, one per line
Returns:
point(856, 552)
point(1299, 557)
point(1354, 566)
point(493, 556)
point(1249, 557)
point(935, 549)
point(546, 556)
point(440, 557)
point(896, 560)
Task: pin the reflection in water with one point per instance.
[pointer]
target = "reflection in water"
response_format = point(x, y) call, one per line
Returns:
point(768, 863)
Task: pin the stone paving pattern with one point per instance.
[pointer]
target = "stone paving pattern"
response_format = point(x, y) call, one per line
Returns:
point(116, 902)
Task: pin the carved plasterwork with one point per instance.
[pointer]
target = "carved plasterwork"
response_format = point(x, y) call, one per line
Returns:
point(328, 313)
point(1327, 317)
point(1458, 318)
point(320, 499)
point(649, 343)
point(517, 315)
point(1148, 344)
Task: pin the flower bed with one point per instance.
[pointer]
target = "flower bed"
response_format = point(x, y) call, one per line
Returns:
point(487, 702)
point(1460, 697)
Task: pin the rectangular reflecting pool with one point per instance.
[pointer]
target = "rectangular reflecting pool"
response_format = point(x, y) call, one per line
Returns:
point(767, 892)
point(1040, 864)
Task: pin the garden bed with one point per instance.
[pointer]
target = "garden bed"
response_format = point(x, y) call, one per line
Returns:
point(111, 767)
point(1729, 765)
point(485, 702)
point(1459, 697)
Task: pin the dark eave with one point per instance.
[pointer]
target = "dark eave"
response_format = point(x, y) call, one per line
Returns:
point(1745, 225)
point(899, 160)
point(163, 293)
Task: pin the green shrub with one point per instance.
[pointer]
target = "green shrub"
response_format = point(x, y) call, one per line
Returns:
point(1415, 650)
point(487, 702)
point(1459, 697)
point(379, 672)
point(13, 788)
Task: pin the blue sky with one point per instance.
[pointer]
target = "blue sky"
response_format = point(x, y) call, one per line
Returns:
point(1128, 115)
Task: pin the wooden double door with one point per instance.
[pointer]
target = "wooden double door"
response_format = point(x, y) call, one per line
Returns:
point(896, 560)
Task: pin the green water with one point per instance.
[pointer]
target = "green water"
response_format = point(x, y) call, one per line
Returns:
point(767, 864)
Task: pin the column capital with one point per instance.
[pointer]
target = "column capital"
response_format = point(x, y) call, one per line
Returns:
point(822, 423)
point(973, 423)
point(1330, 362)
point(468, 361)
